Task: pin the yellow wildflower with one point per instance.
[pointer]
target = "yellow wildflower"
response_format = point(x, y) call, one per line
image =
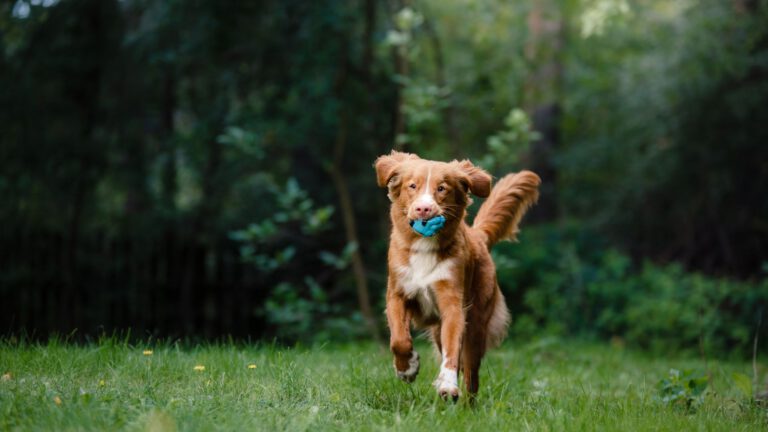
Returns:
point(102, 383)
point(57, 400)
point(199, 368)
point(251, 366)
point(147, 352)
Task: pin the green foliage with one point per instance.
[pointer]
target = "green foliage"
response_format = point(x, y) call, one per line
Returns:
point(684, 390)
point(293, 316)
point(297, 307)
point(139, 134)
point(689, 310)
point(566, 282)
point(460, 77)
point(143, 141)
point(665, 160)
point(340, 261)
point(422, 102)
point(506, 145)
point(245, 141)
point(422, 99)
point(270, 244)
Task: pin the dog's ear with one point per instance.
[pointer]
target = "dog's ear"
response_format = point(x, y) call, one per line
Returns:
point(386, 166)
point(477, 180)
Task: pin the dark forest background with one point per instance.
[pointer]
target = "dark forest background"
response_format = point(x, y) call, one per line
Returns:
point(203, 168)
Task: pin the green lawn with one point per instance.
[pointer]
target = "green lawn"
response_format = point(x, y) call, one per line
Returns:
point(547, 385)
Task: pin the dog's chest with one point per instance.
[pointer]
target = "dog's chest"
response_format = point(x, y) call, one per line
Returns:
point(423, 270)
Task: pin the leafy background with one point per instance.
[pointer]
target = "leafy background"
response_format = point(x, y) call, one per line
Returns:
point(202, 168)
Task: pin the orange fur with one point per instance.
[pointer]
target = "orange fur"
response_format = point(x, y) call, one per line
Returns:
point(447, 284)
point(512, 196)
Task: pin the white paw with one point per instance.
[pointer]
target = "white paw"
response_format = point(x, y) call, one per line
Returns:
point(409, 374)
point(447, 384)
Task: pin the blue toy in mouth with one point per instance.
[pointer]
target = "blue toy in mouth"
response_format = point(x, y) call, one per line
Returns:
point(429, 227)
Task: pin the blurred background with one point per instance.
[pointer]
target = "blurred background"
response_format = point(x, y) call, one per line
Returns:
point(203, 168)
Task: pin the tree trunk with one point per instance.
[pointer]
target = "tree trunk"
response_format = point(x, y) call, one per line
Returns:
point(350, 229)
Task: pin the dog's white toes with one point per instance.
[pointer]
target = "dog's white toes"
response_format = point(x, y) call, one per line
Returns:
point(409, 374)
point(447, 391)
point(447, 384)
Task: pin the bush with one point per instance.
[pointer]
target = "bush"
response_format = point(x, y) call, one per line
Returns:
point(564, 281)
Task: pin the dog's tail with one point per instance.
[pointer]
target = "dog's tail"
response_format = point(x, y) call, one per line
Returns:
point(500, 214)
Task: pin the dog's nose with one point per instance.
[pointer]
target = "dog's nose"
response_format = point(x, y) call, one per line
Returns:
point(424, 211)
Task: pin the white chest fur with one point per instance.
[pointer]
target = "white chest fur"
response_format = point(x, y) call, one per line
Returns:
point(423, 270)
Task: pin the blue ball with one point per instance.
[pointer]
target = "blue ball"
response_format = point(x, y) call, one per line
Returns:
point(430, 227)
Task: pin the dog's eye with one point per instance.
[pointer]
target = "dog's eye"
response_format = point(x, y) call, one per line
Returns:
point(440, 188)
point(412, 186)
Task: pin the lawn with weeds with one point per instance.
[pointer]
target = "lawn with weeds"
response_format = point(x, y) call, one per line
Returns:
point(549, 384)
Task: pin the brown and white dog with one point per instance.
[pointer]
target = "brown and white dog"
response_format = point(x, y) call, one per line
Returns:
point(447, 283)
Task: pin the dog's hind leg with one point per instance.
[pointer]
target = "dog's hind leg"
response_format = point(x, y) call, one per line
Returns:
point(434, 336)
point(496, 329)
point(472, 353)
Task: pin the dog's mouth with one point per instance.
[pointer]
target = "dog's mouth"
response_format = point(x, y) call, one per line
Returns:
point(423, 222)
point(428, 227)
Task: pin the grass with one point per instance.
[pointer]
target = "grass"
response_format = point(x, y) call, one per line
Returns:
point(544, 385)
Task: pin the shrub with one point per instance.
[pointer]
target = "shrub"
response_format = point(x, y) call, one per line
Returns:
point(565, 281)
point(684, 390)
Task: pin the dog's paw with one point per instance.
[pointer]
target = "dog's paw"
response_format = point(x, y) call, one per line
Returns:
point(447, 385)
point(409, 374)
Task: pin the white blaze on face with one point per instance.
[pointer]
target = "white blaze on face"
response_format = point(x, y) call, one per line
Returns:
point(426, 198)
point(427, 195)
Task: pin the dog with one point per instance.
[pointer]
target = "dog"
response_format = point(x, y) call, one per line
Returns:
point(447, 283)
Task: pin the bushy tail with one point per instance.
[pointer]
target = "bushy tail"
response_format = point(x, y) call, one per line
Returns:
point(500, 214)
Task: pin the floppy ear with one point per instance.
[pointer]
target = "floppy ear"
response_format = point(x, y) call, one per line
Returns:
point(386, 166)
point(478, 181)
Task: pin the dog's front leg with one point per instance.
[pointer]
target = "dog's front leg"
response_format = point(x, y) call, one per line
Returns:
point(400, 342)
point(449, 300)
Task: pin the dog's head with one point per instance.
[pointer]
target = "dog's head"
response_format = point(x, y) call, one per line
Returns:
point(423, 189)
